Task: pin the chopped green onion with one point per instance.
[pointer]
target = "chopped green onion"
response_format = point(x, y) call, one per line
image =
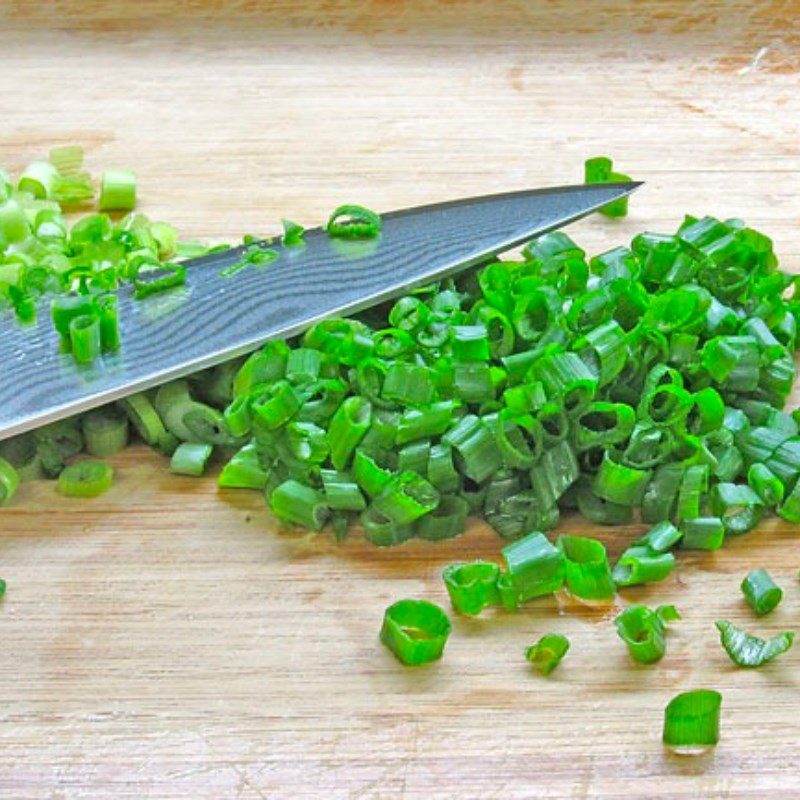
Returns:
point(85, 479)
point(548, 652)
point(9, 482)
point(382, 531)
point(406, 497)
point(415, 631)
point(117, 190)
point(703, 533)
point(84, 338)
point(479, 454)
point(341, 491)
point(746, 650)
point(587, 574)
point(149, 279)
point(298, 504)
point(353, 222)
point(425, 422)
point(534, 567)
point(244, 471)
point(640, 564)
point(472, 587)
point(691, 721)
point(190, 459)
point(446, 521)
point(644, 631)
point(292, 233)
point(105, 432)
point(602, 424)
point(144, 418)
point(739, 507)
point(761, 592)
point(620, 484)
point(187, 419)
point(599, 170)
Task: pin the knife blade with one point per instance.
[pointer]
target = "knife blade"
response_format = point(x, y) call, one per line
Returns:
point(214, 318)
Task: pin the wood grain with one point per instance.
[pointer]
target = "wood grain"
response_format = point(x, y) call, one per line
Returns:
point(166, 641)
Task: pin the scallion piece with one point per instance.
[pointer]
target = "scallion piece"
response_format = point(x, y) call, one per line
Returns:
point(425, 422)
point(341, 491)
point(353, 222)
point(244, 470)
point(746, 650)
point(739, 507)
point(144, 418)
point(84, 338)
point(382, 531)
point(703, 533)
point(534, 567)
point(190, 459)
point(446, 521)
point(416, 631)
point(599, 170)
point(117, 190)
point(640, 564)
point(548, 652)
point(691, 721)
point(761, 592)
point(473, 586)
point(105, 432)
point(85, 479)
point(406, 497)
point(292, 233)
point(587, 573)
point(644, 631)
point(620, 484)
point(9, 482)
point(152, 278)
point(298, 504)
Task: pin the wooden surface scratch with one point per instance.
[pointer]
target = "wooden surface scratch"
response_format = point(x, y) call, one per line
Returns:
point(169, 641)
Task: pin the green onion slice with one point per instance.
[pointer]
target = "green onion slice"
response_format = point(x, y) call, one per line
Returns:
point(761, 592)
point(746, 650)
point(548, 652)
point(416, 631)
point(85, 479)
point(472, 586)
point(353, 222)
point(691, 721)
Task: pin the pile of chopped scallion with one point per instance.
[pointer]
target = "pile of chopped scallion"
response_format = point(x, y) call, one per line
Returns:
point(645, 383)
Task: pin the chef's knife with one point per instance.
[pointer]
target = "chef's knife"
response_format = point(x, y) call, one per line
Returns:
point(214, 318)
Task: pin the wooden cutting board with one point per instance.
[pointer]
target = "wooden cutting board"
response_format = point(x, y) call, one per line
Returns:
point(169, 641)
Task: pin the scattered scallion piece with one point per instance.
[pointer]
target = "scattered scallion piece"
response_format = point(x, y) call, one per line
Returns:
point(105, 431)
point(599, 170)
point(587, 573)
point(2, 588)
point(472, 587)
point(644, 631)
point(85, 479)
point(534, 567)
point(415, 631)
point(761, 592)
point(190, 459)
point(746, 650)
point(292, 233)
point(117, 190)
point(691, 721)
point(548, 652)
point(353, 222)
